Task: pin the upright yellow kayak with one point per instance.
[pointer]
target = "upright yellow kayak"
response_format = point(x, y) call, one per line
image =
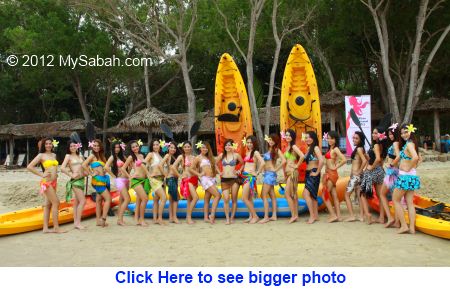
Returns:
point(300, 103)
point(231, 108)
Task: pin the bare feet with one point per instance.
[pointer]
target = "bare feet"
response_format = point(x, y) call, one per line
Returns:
point(403, 230)
point(189, 221)
point(412, 231)
point(254, 220)
point(264, 220)
point(350, 219)
point(46, 231)
point(212, 219)
point(59, 231)
point(273, 218)
point(370, 221)
point(380, 221)
point(332, 219)
point(80, 227)
point(310, 221)
point(293, 219)
point(160, 222)
point(206, 220)
point(176, 221)
point(143, 224)
point(227, 222)
point(232, 221)
point(389, 223)
point(248, 220)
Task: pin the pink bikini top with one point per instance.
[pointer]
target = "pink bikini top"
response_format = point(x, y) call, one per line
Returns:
point(205, 162)
point(119, 163)
point(138, 163)
point(187, 163)
point(248, 160)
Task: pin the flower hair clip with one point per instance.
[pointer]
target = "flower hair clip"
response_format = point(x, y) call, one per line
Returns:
point(234, 146)
point(283, 135)
point(79, 145)
point(325, 136)
point(162, 143)
point(303, 136)
point(139, 142)
point(91, 144)
point(267, 138)
point(180, 145)
point(123, 146)
point(393, 126)
point(55, 143)
point(199, 144)
point(244, 141)
point(381, 136)
point(411, 128)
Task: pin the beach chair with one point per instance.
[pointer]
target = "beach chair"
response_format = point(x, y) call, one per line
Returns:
point(20, 160)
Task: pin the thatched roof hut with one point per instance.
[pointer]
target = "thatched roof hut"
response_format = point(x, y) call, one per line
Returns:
point(332, 100)
point(436, 106)
point(38, 130)
point(147, 118)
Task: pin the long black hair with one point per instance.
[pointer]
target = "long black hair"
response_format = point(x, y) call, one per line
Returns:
point(173, 157)
point(182, 150)
point(151, 146)
point(362, 142)
point(381, 142)
point(274, 150)
point(133, 155)
point(293, 135)
point(255, 144)
point(412, 138)
point(228, 141)
point(68, 148)
point(335, 136)
point(315, 143)
point(115, 156)
point(396, 133)
point(41, 144)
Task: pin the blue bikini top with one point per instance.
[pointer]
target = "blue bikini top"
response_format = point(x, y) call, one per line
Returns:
point(403, 156)
point(267, 156)
point(391, 152)
point(232, 163)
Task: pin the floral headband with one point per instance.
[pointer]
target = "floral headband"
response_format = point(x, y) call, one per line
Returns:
point(267, 138)
point(91, 144)
point(199, 144)
point(325, 136)
point(411, 128)
point(55, 143)
point(393, 126)
point(139, 142)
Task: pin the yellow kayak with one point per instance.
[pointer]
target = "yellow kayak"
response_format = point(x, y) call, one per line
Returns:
point(300, 103)
point(233, 119)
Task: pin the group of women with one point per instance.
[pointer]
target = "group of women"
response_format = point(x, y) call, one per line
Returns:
point(168, 164)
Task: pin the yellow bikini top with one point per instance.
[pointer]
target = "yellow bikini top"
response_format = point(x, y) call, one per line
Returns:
point(50, 163)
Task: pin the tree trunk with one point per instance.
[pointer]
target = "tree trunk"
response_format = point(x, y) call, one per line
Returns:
point(81, 99)
point(11, 150)
point(148, 100)
point(189, 92)
point(437, 130)
point(106, 113)
point(333, 120)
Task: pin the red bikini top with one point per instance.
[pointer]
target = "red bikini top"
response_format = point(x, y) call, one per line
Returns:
point(248, 160)
point(328, 155)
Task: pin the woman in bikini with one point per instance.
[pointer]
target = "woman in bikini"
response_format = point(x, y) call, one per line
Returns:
point(206, 164)
point(250, 174)
point(229, 179)
point(270, 175)
point(373, 174)
point(314, 163)
point(157, 176)
point(47, 159)
point(189, 181)
point(334, 159)
point(139, 180)
point(294, 157)
point(172, 181)
point(71, 166)
point(407, 181)
point(94, 165)
point(393, 158)
point(359, 162)
point(113, 167)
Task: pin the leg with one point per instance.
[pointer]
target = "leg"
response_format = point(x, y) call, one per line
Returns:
point(249, 203)
point(123, 206)
point(288, 191)
point(107, 198)
point(162, 195)
point(155, 207)
point(309, 203)
point(385, 205)
point(213, 191)
point(143, 199)
point(226, 204)
point(137, 207)
point(265, 195)
point(348, 202)
point(330, 209)
point(47, 207)
point(206, 201)
point(361, 210)
point(384, 209)
point(295, 199)
point(170, 210)
point(411, 211)
point(365, 207)
point(194, 196)
point(174, 212)
point(51, 196)
point(234, 196)
point(274, 204)
point(78, 206)
point(98, 209)
point(397, 196)
point(337, 204)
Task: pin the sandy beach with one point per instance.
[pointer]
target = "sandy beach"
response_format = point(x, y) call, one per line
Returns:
point(273, 244)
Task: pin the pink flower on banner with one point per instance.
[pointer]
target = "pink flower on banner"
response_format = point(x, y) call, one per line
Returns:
point(123, 146)
point(325, 136)
point(91, 144)
point(381, 136)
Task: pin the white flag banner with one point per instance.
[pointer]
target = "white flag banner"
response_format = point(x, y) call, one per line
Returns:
point(361, 106)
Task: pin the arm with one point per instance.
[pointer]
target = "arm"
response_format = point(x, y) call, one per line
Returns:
point(412, 151)
point(283, 160)
point(193, 167)
point(241, 162)
point(320, 159)
point(148, 158)
point(377, 152)
point(216, 165)
point(85, 164)
point(342, 159)
point(300, 154)
point(397, 153)
point(174, 166)
point(163, 162)
point(363, 158)
point(64, 167)
point(31, 166)
point(108, 166)
point(125, 166)
point(257, 155)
